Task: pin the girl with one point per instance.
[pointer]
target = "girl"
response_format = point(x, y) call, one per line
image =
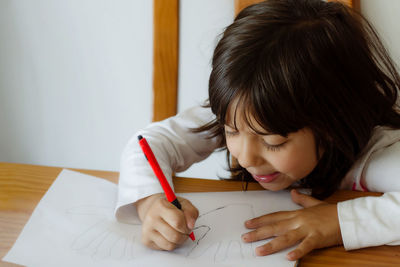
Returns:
point(301, 93)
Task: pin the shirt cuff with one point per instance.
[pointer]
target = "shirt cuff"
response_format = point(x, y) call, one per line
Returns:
point(347, 225)
point(125, 210)
point(370, 221)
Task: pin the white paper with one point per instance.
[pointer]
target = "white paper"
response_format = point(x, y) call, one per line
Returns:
point(73, 225)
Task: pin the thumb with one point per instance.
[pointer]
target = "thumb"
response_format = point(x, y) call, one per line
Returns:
point(190, 212)
point(304, 200)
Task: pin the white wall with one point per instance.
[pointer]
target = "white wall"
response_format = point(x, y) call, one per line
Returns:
point(385, 17)
point(201, 23)
point(75, 77)
point(75, 80)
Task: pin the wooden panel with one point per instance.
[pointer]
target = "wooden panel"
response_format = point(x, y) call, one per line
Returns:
point(165, 58)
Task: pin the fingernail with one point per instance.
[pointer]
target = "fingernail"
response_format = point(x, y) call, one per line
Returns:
point(261, 251)
point(291, 256)
point(245, 236)
point(190, 224)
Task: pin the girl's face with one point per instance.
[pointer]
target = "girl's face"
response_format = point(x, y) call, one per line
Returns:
point(274, 161)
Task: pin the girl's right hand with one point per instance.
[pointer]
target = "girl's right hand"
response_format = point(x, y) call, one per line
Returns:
point(165, 227)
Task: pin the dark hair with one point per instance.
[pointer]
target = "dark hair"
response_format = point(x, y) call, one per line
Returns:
point(306, 63)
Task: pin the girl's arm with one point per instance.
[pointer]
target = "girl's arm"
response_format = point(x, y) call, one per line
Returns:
point(176, 149)
point(374, 221)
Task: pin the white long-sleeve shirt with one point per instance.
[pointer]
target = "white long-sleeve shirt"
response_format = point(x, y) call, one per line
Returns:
point(366, 221)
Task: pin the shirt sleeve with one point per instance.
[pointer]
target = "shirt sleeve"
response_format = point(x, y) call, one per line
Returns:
point(374, 221)
point(176, 148)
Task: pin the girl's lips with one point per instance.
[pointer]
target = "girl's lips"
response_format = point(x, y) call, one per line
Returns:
point(266, 178)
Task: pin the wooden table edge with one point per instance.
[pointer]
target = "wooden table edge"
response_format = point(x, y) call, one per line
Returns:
point(184, 185)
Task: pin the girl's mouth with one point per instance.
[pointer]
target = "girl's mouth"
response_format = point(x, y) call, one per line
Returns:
point(266, 178)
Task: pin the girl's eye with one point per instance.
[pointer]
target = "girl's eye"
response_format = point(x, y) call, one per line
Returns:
point(274, 147)
point(230, 133)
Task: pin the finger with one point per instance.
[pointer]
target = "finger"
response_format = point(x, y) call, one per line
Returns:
point(307, 245)
point(268, 219)
point(304, 200)
point(147, 240)
point(267, 231)
point(190, 212)
point(279, 243)
point(161, 242)
point(170, 233)
point(174, 217)
point(154, 246)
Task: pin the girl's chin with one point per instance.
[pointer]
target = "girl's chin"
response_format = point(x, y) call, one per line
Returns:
point(274, 187)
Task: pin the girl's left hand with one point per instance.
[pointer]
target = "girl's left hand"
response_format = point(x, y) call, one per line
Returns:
point(315, 226)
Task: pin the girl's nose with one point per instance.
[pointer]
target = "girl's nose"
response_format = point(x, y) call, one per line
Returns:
point(250, 153)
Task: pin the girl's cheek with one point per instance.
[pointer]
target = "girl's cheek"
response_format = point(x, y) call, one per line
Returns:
point(230, 145)
point(286, 162)
point(281, 160)
point(296, 164)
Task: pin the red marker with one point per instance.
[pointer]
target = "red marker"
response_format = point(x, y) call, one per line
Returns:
point(160, 175)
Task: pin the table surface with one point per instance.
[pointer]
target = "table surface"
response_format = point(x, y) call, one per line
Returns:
point(22, 186)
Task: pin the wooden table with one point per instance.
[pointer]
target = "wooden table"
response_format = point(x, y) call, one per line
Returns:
point(22, 186)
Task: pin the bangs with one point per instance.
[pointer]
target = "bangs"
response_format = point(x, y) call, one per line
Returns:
point(260, 113)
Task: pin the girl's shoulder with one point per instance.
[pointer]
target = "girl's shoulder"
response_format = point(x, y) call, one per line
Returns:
point(382, 173)
point(378, 168)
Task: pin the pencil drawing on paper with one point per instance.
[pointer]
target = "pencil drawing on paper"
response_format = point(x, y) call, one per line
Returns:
point(105, 238)
point(217, 234)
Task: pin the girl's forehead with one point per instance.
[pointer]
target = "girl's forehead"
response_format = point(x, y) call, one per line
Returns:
point(240, 116)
